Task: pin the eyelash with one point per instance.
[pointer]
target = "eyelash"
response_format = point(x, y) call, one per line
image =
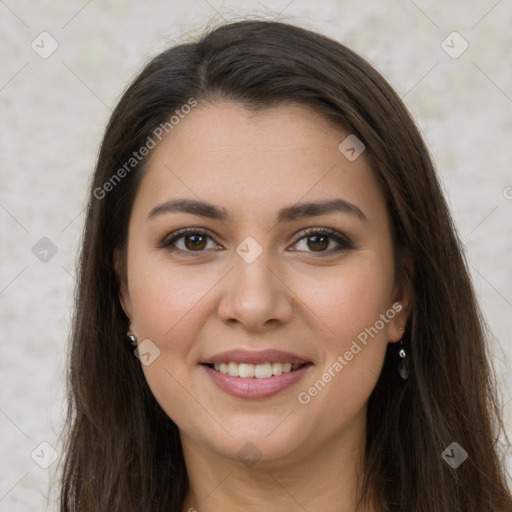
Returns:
point(343, 242)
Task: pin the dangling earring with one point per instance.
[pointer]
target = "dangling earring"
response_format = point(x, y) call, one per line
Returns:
point(132, 338)
point(403, 365)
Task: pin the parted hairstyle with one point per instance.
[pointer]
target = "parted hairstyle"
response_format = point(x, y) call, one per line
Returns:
point(122, 453)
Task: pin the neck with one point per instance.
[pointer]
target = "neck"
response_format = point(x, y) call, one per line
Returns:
point(320, 478)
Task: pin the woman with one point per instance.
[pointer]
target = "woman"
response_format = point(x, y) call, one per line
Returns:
point(273, 311)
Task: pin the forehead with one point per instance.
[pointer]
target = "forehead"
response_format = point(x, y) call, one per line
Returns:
point(255, 160)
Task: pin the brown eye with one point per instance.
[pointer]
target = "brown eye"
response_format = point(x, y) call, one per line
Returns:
point(189, 241)
point(195, 242)
point(318, 242)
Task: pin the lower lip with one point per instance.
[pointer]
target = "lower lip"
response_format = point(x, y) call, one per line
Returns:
point(253, 388)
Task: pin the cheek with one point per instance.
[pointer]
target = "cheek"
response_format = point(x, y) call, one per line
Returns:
point(353, 352)
point(169, 309)
point(348, 303)
point(347, 299)
point(165, 297)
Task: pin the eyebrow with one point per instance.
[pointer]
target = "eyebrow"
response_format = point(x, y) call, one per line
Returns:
point(288, 214)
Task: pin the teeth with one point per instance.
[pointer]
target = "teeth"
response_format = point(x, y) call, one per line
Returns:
point(246, 370)
point(277, 368)
point(233, 369)
point(263, 371)
point(259, 371)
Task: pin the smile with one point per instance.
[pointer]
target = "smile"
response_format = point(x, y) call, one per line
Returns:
point(258, 371)
point(260, 382)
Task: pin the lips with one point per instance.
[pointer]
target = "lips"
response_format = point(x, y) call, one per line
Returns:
point(241, 378)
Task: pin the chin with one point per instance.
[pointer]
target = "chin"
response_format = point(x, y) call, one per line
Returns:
point(255, 443)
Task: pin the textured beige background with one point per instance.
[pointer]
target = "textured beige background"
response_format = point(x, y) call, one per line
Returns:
point(53, 112)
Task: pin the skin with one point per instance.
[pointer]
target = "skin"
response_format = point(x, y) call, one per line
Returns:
point(309, 301)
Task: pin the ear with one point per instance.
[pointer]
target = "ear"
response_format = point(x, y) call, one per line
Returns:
point(122, 279)
point(403, 298)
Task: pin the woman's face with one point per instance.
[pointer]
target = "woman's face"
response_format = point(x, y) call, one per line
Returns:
point(247, 278)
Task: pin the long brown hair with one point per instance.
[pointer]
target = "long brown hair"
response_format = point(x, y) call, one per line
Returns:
point(123, 453)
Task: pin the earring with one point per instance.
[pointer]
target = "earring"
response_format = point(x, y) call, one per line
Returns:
point(132, 338)
point(403, 365)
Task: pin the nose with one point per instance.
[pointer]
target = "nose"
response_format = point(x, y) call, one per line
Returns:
point(255, 296)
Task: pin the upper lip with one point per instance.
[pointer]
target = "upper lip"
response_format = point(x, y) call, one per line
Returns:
point(252, 357)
